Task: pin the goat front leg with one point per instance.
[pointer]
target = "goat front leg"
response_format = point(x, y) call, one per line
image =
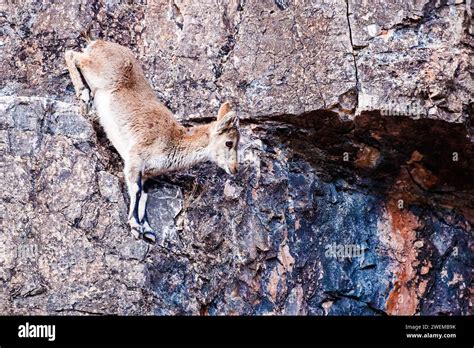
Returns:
point(83, 91)
point(138, 198)
point(134, 186)
point(148, 232)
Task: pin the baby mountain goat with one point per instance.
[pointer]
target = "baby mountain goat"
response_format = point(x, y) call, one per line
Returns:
point(144, 132)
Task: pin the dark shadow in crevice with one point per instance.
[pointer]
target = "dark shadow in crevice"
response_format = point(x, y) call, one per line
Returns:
point(437, 156)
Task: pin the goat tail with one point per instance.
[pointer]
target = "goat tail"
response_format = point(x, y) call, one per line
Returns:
point(86, 33)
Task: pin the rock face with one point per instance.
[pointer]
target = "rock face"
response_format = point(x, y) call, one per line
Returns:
point(355, 195)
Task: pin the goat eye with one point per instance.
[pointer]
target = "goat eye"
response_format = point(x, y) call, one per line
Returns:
point(229, 144)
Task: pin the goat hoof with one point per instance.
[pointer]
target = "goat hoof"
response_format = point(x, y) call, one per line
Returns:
point(85, 96)
point(149, 236)
point(86, 101)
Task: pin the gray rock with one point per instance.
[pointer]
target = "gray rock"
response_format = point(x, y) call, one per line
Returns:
point(109, 187)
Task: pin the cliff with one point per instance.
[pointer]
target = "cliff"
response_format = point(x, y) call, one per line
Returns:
point(356, 123)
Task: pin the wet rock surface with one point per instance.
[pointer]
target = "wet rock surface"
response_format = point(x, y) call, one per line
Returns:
point(355, 194)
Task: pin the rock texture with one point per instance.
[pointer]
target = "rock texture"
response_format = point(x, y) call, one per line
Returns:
point(356, 133)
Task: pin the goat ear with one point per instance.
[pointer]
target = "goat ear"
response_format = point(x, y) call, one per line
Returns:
point(228, 121)
point(223, 110)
